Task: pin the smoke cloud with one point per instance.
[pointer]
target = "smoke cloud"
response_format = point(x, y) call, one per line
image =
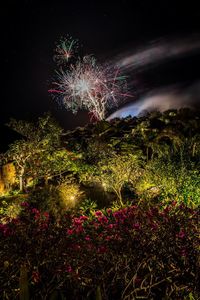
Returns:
point(172, 97)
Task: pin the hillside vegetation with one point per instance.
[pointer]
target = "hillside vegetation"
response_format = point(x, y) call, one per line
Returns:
point(106, 211)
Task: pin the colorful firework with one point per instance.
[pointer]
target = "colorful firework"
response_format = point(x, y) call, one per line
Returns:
point(65, 50)
point(86, 85)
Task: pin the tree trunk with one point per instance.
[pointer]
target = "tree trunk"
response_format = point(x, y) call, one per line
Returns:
point(21, 186)
point(119, 195)
point(46, 180)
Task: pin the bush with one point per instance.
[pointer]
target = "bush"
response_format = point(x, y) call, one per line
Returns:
point(168, 179)
point(56, 199)
point(128, 253)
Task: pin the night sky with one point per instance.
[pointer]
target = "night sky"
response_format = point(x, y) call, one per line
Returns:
point(30, 29)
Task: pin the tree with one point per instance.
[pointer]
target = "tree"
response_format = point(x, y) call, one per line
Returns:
point(20, 152)
point(117, 170)
point(175, 178)
point(40, 153)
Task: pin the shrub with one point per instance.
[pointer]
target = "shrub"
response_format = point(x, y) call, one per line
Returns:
point(171, 180)
point(128, 253)
point(56, 199)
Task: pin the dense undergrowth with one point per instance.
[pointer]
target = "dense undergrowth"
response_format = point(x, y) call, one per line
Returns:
point(136, 252)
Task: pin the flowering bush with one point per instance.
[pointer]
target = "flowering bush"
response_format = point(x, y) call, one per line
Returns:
point(128, 253)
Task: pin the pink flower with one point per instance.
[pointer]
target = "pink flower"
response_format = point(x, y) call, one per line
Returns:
point(102, 249)
point(98, 213)
point(35, 276)
point(46, 214)
point(5, 230)
point(181, 234)
point(134, 206)
point(109, 211)
point(83, 218)
point(183, 253)
point(167, 209)
point(79, 229)
point(90, 246)
point(37, 216)
point(87, 238)
point(96, 225)
point(174, 203)
point(77, 221)
point(24, 204)
point(103, 219)
point(70, 231)
point(154, 226)
point(136, 226)
point(110, 226)
point(35, 211)
point(68, 269)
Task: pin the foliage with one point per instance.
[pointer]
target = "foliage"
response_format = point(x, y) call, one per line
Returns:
point(87, 206)
point(40, 153)
point(134, 252)
point(173, 180)
point(56, 199)
point(11, 210)
point(117, 170)
point(156, 155)
point(69, 193)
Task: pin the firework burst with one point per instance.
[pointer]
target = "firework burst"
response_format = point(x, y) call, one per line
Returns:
point(89, 86)
point(85, 84)
point(65, 50)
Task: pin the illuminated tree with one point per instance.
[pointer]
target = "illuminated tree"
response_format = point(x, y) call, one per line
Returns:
point(20, 153)
point(118, 170)
point(40, 154)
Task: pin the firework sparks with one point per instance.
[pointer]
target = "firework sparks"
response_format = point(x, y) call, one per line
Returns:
point(65, 50)
point(89, 86)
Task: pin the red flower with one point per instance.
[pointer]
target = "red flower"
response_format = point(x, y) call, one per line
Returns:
point(181, 234)
point(46, 214)
point(103, 219)
point(110, 226)
point(136, 226)
point(77, 221)
point(87, 238)
point(5, 230)
point(70, 231)
point(174, 203)
point(35, 276)
point(69, 269)
point(154, 226)
point(24, 204)
point(98, 213)
point(83, 218)
point(183, 253)
point(35, 211)
point(102, 249)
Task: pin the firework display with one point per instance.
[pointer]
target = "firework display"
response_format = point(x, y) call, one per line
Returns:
point(90, 86)
point(65, 50)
